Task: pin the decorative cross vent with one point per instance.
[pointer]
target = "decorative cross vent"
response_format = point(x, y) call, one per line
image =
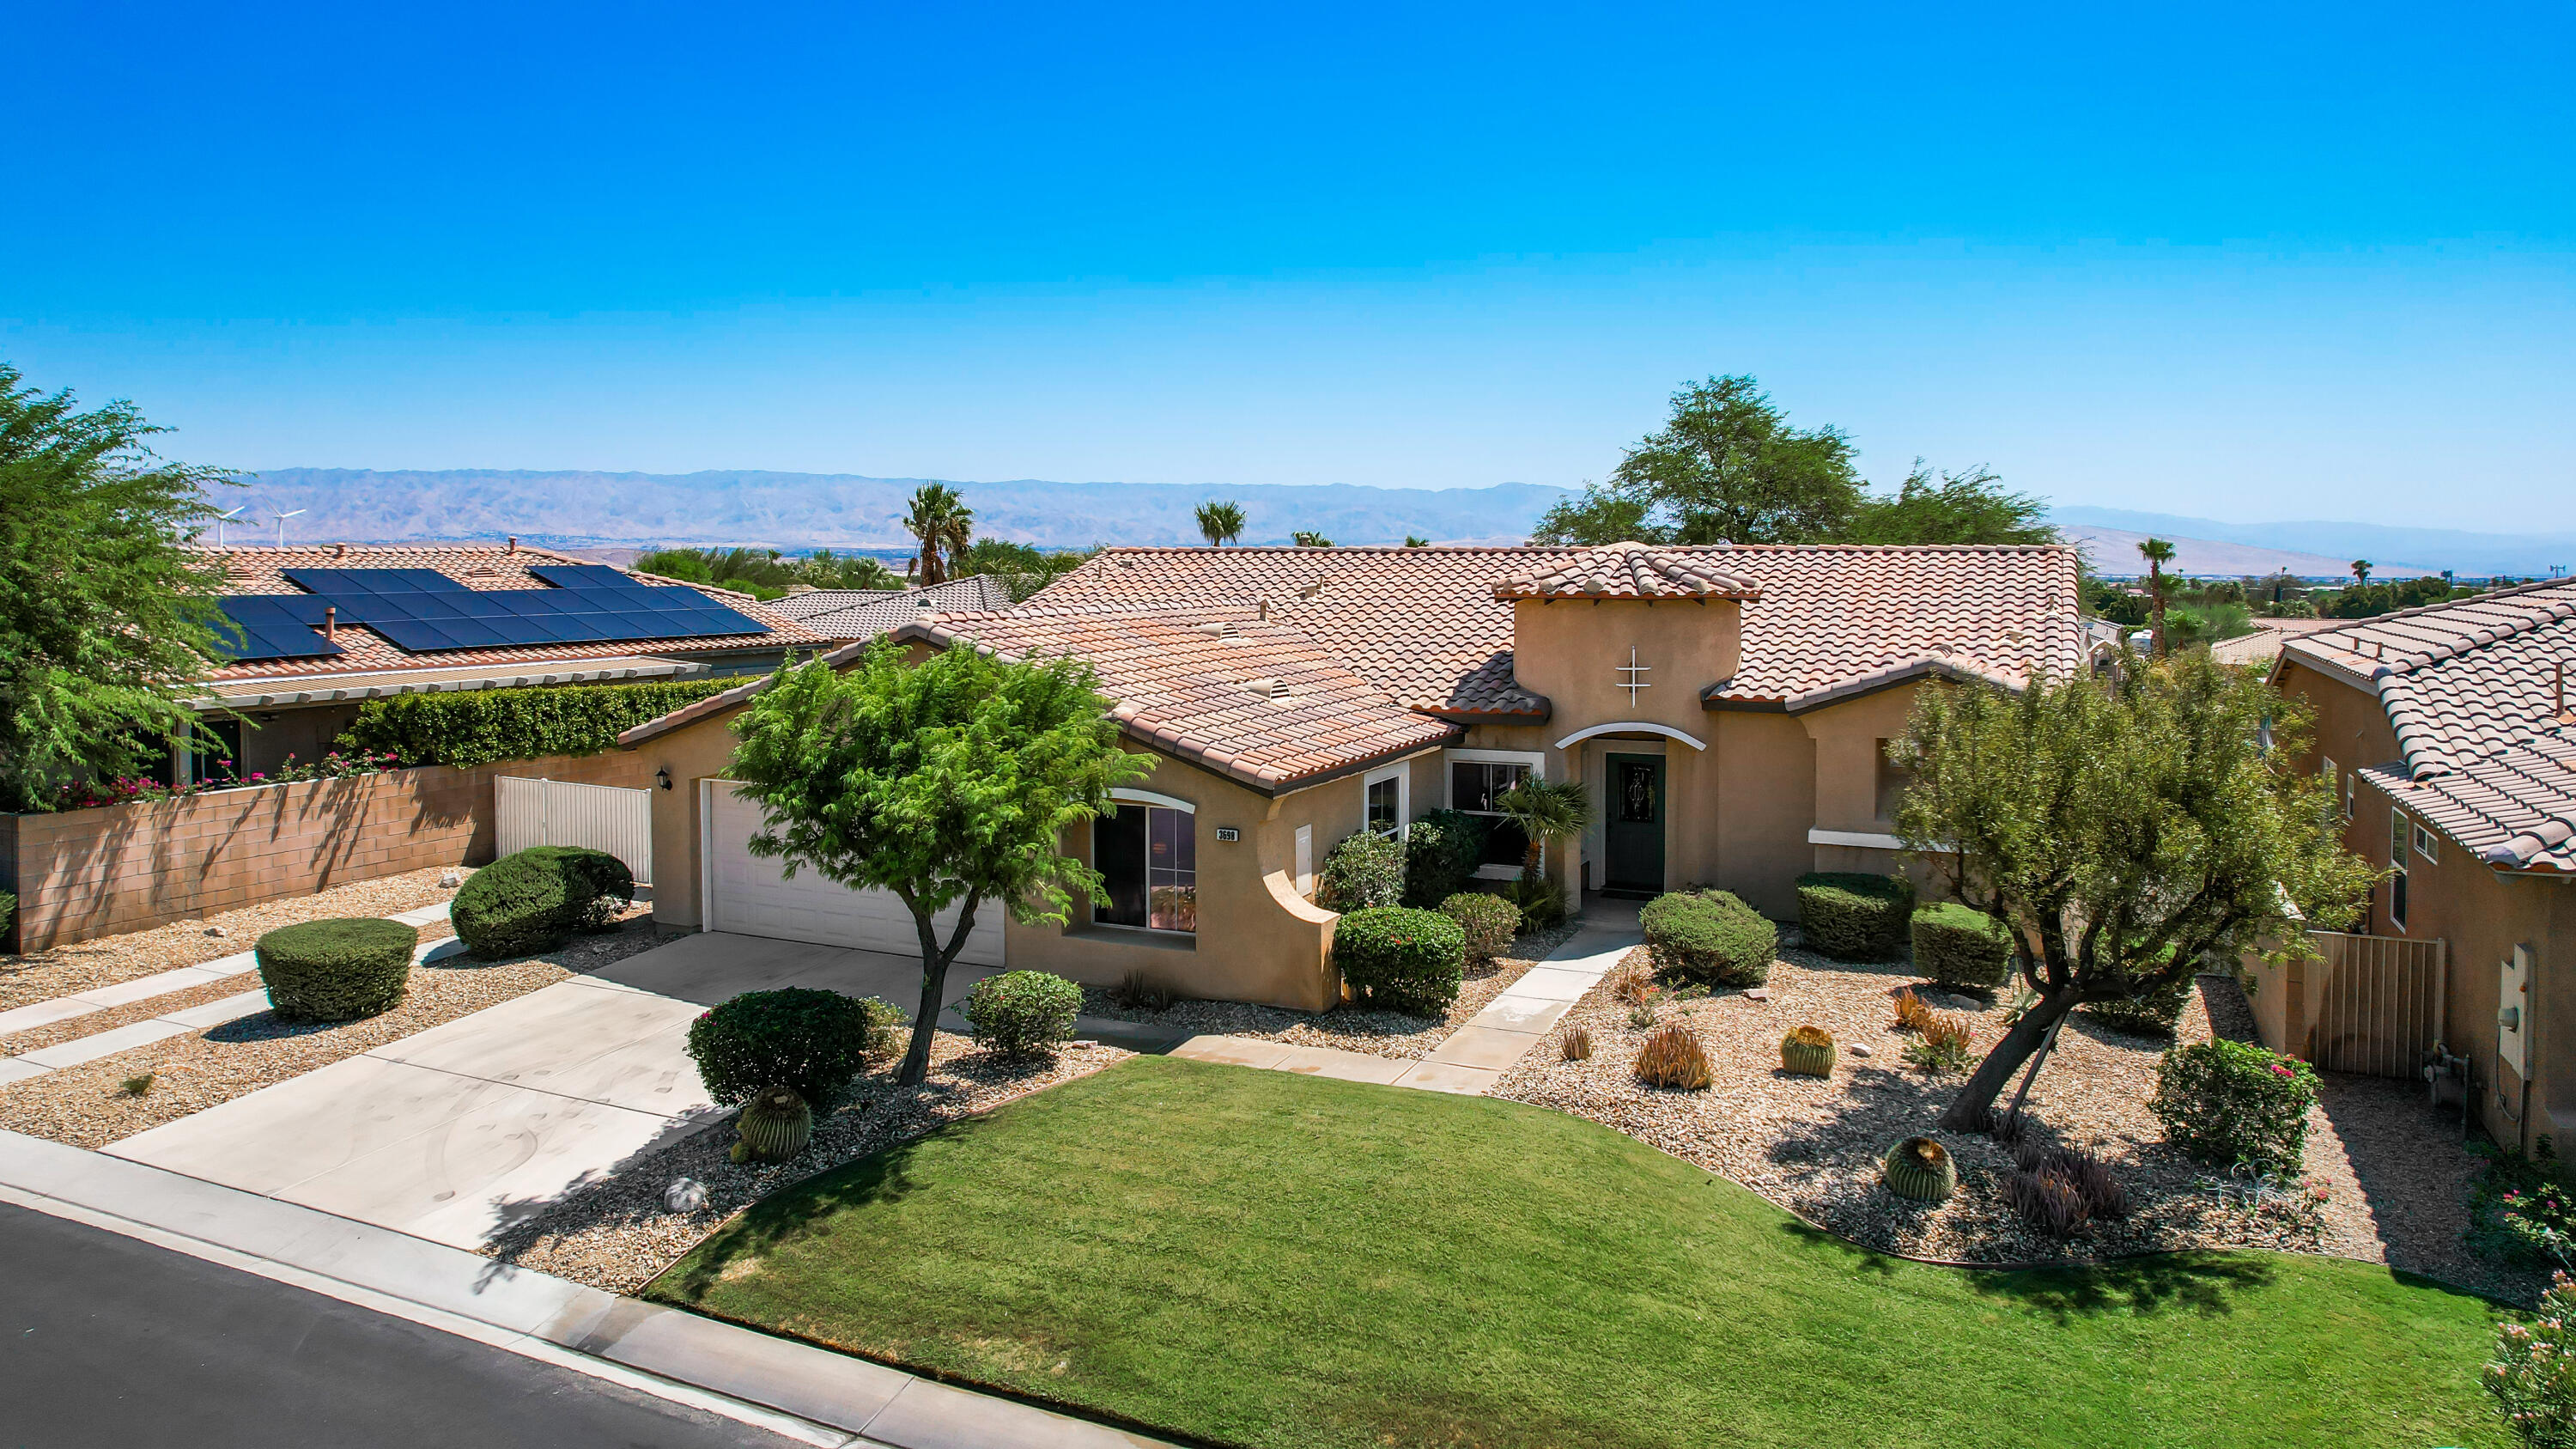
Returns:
point(1634, 682)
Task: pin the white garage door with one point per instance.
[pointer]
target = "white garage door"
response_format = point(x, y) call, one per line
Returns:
point(750, 896)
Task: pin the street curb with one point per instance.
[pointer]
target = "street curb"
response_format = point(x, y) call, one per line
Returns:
point(875, 1404)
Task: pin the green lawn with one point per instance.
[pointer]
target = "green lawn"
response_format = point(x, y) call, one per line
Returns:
point(1263, 1258)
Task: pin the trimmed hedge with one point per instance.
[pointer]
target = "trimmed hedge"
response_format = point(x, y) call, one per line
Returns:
point(2227, 1102)
point(1489, 921)
point(336, 970)
point(1440, 854)
point(816, 1042)
point(535, 899)
point(1022, 1013)
point(1396, 958)
point(475, 728)
point(1961, 947)
point(1708, 937)
point(1854, 917)
point(1364, 870)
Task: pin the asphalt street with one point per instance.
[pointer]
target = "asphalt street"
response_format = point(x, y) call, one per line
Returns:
point(108, 1341)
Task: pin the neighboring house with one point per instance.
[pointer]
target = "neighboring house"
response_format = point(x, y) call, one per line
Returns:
point(1727, 707)
point(846, 614)
point(2265, 643)
point(328, 627)
point(2450, 735)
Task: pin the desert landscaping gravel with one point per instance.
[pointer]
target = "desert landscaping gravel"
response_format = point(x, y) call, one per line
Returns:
point(616, 1234)
point(2395, 1194)
point(87, 965)
point(1376, 1033)
point(86, 1105)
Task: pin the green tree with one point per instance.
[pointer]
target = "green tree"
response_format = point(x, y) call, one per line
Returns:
point(2126, 828)
point(1946, 507)
point(106, 617)
point(2157, 553)
point(2361, 571)
point(1548, 812)
point(949, 783)
point(1415, 540)
point(827, 570)
point(1305, 539)
point(1220, 523)
point(1022, 570)
point(942, 524)
point(1726, 466)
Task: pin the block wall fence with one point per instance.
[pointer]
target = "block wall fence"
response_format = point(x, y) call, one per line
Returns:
point(79, 874)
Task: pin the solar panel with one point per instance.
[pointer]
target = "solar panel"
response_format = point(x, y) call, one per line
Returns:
point(275, 626)
point(340, 582)
point(590, 576)
point(423, 611)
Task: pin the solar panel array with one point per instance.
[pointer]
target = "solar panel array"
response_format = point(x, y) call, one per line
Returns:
point(424, 611)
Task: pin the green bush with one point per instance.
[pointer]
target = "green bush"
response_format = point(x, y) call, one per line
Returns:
point(1396, 958)
point(535, 899)
point(8, 910)
point(2153, 1012)
point(1441, 851)
point(1364, 870)
point(816, 1042)
point(1962, 948)
point(1489, 921)
point(1709, 938)
point(1541, 902)
point(478, 727)
point(2530, 1375)
point(336, 970)
point(1022, 1013)
point(2228, 1102)
point(1853, 917)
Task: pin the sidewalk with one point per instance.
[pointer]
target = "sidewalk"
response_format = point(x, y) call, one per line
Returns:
point(822, 1397)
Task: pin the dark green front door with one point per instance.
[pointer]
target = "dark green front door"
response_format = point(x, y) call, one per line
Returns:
point(1633, 830)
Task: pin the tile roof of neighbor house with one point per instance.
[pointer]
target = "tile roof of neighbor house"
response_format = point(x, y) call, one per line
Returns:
point(866, 613)
point(2265, 642)
point(1262, 704)
point(1625, 571)
point(1425, 625)
point(2472, 690)
point(363, 651)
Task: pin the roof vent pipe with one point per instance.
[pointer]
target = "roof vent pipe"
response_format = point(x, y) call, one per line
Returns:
point(331, 623)
point(514, 543)
point(2561, 693)
point(1265, 611)
point(339, 550)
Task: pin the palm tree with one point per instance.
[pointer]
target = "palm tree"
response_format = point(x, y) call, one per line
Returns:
point(2361, 570)
point(2157, 553)
point(1548, 812)
point(1310, 540)
point(1220, 523)
point(939, 519)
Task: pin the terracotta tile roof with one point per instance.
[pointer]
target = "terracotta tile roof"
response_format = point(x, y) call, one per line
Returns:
point(1259, 703)
point(262, 571)
point(866, 613)
point(1625, 571)
point(1424, 624)
point(2471, 690)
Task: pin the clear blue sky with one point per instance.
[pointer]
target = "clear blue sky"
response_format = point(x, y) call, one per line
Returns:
point(2241, 261)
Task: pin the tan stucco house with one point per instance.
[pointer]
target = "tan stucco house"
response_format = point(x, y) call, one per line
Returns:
point(1726, 706)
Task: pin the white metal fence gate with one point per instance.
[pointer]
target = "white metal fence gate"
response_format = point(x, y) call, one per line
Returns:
point(2376, 1002)
point(598, 817)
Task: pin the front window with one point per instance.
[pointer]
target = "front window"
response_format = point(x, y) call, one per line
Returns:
point(1148, 858)
point(1385, 808)
point(1893, 781)
point(1474, 787)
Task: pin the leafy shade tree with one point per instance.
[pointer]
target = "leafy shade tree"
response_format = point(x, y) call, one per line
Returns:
point(1548, 812)
point(1946, 507)
point(1305, 539)
point(941, 524)
point(827, 570)
point(1725, 466)
point(1220, 523)
point(2157, 553)
point(2124, 827)
point(105, 617)
point(1415, 540)
point(947, 782)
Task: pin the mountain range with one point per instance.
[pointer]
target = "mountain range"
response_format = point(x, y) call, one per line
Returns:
point(2393, 551)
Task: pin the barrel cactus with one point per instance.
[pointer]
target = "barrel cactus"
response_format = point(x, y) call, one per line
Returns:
point(774, 1126)
point(1808, 1051)
point(1921, 1168)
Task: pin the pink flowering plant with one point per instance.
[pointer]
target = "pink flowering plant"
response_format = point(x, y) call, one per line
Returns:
point(2533, 1373)
point(2521, 1213)
point(127, 789)
point(2233, 1103)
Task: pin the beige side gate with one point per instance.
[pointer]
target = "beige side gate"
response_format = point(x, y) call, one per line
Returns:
point(2370, 1005)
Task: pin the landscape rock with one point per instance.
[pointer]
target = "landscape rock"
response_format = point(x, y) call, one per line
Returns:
point(684, 1195)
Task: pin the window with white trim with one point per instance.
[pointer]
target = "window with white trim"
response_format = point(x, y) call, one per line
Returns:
point(1383, 792)
point(2427, 847)
point(2398, 826)
point(1478, 778)
point(1147, 856)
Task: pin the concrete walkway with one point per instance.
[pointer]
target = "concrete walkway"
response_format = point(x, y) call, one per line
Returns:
point(1469, 1060)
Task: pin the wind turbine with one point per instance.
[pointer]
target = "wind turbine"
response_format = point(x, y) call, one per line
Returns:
point(221, 519)
point(281, 524)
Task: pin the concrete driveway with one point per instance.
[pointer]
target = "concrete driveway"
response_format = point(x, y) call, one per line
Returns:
point(461, 1130)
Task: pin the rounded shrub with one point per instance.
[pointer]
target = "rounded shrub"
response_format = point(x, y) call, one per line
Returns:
point(535, 899)
point(1854, 917)
point(1709, 937)
point(1396, 958)
point(1364, 870)
point(1441, 852)
point(1022, 1013)
point(1489, 921)
point(2227, 1102)
point(813, 1042)
point(336, 970)
point(1962, 948)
